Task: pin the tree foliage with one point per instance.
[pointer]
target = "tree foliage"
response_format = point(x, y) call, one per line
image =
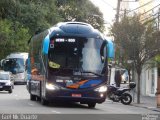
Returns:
point(137, 42)
point(13, 37)
point(80, 10)
point(21, 19)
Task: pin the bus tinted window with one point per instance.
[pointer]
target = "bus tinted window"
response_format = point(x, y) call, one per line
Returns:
point(76, 53)
point(14, 65)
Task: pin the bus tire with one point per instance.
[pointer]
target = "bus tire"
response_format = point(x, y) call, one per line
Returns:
point(44, 101)
point(38, 98)
point(91, 105)
point(32, 97)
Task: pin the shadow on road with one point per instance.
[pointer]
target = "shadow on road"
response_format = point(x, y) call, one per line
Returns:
point(67, 105)
point(60, 104)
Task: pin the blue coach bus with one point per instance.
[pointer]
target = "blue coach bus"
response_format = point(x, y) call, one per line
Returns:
point(69, 62)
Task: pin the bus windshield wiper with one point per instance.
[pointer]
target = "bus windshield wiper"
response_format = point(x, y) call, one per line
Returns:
point(63, 71)
point(92, 73)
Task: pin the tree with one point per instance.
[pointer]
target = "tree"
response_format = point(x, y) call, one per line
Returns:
point(80, 10)
point(40, 14)
point(33, 14)
point(13, 38)
point(27, 17)
point(157, 59)
point(136, 41)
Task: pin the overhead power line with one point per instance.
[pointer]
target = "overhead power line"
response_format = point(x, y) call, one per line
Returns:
point(108, 4)
point(150, 17)
point(150, 20)
point(150, 9)
point(141, 6)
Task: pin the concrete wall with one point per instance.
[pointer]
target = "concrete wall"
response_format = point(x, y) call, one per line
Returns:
point(149, 81)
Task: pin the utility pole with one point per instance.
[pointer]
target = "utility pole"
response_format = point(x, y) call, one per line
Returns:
point(158, 81)
point(125, 12)
point(159, 19)
point(118, 9)
point(117, 20)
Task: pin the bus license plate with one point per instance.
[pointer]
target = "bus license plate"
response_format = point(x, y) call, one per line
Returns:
point(76, 95)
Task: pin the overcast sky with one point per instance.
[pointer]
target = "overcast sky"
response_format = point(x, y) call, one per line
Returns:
point(107, 8)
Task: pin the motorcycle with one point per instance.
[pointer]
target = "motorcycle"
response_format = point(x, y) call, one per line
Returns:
point(117, 94)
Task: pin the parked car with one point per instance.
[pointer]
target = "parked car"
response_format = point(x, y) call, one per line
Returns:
point(6, 82)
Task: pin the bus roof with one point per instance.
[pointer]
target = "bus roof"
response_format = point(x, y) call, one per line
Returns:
point(18, 55)
point(78, 29)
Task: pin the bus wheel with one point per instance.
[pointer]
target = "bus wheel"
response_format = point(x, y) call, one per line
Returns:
point(44, 102)
point(38, 98)
point(91, 105)
point(32, 97)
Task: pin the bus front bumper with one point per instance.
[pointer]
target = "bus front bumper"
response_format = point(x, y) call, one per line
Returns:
point(83, 96)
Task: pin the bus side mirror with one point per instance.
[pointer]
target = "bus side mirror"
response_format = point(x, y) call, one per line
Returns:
point(1, 63)
point(45, 45)
point(26, 64)
point(110, 49)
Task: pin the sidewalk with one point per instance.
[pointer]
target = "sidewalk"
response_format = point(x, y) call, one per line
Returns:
point(146, 102)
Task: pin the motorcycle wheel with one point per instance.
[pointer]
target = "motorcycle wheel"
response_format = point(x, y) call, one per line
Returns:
point(126, 99)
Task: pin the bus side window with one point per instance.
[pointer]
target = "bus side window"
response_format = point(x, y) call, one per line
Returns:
point(26, 64)
point(103, 46)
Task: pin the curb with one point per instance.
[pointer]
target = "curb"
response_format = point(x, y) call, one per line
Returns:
point(146, 107)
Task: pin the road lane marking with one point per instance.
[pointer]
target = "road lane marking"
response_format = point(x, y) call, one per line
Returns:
point(55, 112)
point(30, 104)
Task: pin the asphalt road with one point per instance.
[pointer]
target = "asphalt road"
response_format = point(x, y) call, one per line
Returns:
point(19, 103)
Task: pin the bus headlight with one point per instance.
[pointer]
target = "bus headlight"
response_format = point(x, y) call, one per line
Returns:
point(51, 86)
point(101, 89)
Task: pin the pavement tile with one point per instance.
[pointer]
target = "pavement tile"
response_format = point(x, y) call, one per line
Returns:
point(146, 102)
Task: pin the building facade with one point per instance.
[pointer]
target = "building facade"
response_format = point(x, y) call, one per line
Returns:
point(149, 76)
point(149, 81)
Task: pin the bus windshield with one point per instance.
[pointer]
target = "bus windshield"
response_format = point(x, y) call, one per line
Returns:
point(4, 76)
point(75, 56)
point(14, 65)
